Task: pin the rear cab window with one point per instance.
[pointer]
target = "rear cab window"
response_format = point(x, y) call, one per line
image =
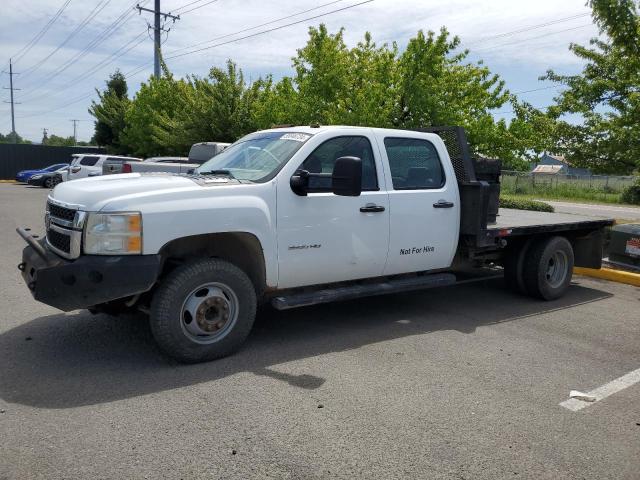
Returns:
point(414, 164)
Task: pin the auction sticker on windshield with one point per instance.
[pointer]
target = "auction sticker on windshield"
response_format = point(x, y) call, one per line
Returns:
point(298, 137)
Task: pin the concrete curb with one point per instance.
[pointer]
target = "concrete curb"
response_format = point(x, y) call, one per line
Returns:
point(610, 274)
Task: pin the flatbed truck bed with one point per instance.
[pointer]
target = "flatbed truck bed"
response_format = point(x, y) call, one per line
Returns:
point(512, 222)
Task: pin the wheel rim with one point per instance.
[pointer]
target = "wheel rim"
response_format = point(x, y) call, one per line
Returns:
point(209, 313)
point(47, 183)
point(557, 269)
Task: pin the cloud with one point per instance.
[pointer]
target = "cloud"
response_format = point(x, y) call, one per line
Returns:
point(520, 57)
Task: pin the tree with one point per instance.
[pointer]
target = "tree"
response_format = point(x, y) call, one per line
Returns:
point(8, 138)
point(110, 113)
point(606, 94)
point(216, 108)
point(57, 141)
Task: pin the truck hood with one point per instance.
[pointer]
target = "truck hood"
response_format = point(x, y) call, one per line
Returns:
point(92, 194)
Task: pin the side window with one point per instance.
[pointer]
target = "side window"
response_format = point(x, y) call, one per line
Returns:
point(89, 161)
point(414, 164)
point(323, 158)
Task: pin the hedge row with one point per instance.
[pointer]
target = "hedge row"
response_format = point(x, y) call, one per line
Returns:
point(523, 204)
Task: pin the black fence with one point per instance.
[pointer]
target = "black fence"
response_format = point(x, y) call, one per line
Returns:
point(14, 158)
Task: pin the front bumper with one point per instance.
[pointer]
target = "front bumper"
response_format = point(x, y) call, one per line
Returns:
point(87, 281)
point(36, 182)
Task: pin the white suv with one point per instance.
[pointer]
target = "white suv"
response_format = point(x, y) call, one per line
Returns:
point(90, 165)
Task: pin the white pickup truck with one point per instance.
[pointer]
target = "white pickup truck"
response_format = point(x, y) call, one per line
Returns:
point(292, 216)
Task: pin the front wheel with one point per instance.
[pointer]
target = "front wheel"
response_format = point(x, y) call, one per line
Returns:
point(48, 183)
point(203, 310)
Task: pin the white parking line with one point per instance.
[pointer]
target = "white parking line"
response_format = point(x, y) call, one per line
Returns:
point(604, 391)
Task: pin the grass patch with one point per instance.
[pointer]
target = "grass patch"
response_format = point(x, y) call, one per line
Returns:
point(552, 188)
point(507, 201)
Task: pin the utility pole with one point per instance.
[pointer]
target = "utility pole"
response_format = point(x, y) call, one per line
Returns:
point(13, 118)
point(157, 29)
point(75, 138)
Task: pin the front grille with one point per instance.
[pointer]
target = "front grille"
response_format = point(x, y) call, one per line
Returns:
point(59, 240)
point(61, 212)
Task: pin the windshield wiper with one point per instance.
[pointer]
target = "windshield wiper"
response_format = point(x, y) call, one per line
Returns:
point(218, 172)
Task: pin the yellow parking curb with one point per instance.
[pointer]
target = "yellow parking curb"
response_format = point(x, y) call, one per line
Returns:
point(8, 181)
point(610, 274)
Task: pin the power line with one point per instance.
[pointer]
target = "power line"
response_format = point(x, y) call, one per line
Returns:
point(114, 26)
point(271, 22)
point(177, 10)
point(97, 9)
point(531, 27)
point(24, 50)
point(537, 89)
point(493, 47)
point(199, 6)
point(253, 34)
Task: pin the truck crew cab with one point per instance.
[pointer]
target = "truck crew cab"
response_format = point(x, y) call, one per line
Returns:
point(292, 216)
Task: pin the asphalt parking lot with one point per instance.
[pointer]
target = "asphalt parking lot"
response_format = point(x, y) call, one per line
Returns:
point(458, 383)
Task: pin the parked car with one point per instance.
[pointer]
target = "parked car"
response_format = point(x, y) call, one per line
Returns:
point(49, 179)
point(25, 175)
point(198, 154)
point(90, 165)
point(295, 217)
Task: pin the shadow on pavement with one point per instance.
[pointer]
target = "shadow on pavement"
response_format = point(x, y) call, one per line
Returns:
point(69, 360)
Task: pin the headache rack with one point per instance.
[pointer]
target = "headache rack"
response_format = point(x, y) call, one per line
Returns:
point(478, 181)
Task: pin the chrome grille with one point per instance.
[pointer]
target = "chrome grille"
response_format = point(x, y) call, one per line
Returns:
point(59, 241)
point(63, 213)
point(64, 230)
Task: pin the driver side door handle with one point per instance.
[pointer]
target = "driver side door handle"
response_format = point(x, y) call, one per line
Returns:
point(443, 204)
point(371, 208)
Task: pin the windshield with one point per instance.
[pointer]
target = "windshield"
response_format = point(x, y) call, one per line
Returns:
point(256, 157)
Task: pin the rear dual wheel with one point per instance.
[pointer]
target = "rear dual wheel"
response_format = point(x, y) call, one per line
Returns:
point(542, 268)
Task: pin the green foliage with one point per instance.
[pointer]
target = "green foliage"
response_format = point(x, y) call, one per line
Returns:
point(57, 141)
point(218, 107)
point(606, 94)
point(8, 138)
point(631, 194)
point(110, 114)
point(524, 204)
point(430, 83)
point(157, 100)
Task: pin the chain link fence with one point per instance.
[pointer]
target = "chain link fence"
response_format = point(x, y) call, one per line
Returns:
point(528, 183)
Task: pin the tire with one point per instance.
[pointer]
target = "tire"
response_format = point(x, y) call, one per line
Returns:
point(48, 183)
point(513, 268)
point(548, 268)
point(192, 325)
point(56, 181)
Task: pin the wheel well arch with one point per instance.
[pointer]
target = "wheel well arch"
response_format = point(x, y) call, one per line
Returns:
point(242, 249)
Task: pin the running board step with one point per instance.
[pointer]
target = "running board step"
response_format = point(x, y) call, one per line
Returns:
point(295, 300)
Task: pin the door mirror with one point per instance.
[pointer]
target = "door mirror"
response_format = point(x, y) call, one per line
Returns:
point(299, 183)
point(346, 179)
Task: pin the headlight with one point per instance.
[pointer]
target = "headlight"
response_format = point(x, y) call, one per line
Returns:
point(36, 177)
point(113, 234)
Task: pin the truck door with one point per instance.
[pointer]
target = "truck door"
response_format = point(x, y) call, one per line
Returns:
point(325, 238)
point(424, 203)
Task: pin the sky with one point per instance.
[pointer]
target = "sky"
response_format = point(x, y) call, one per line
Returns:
point(61, 59)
